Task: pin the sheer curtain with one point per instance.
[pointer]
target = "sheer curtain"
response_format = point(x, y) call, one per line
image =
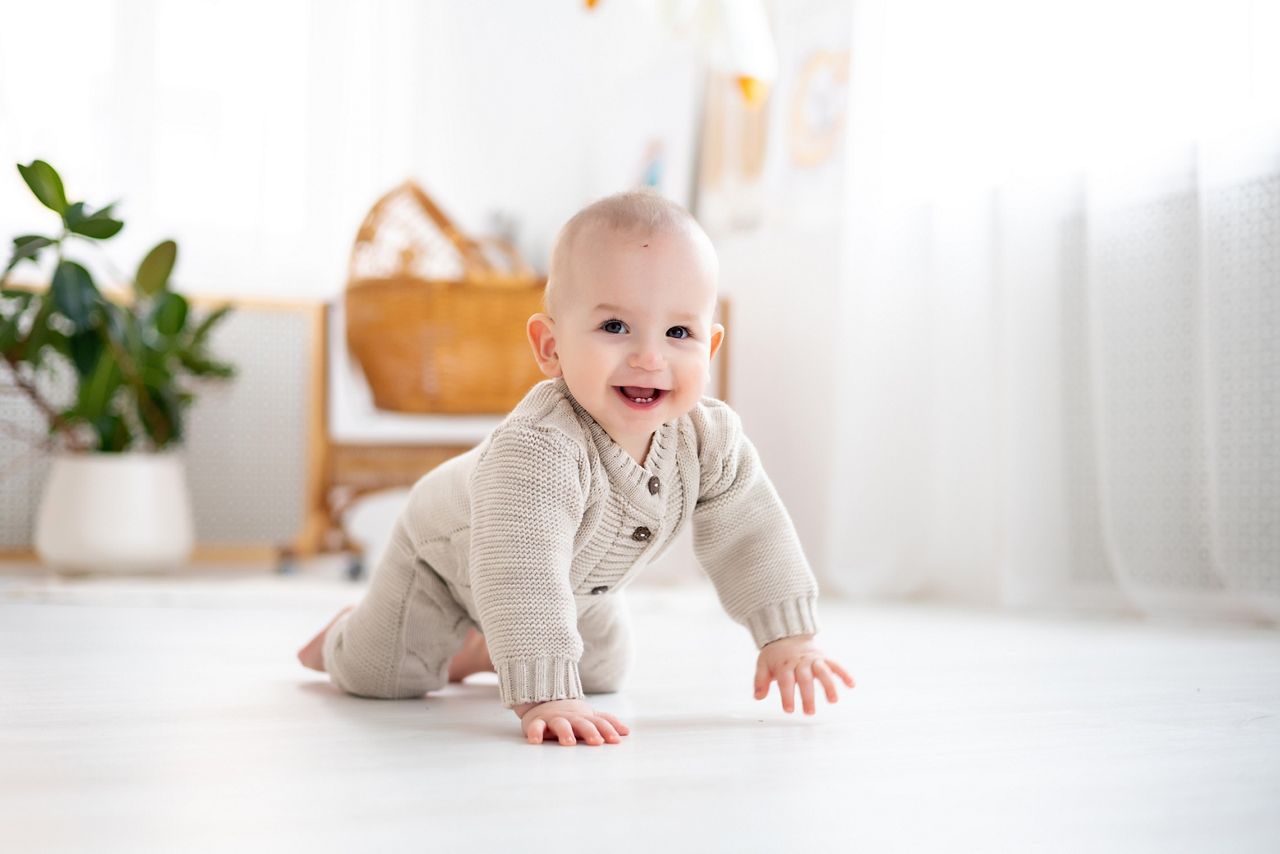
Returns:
point(1060, 314)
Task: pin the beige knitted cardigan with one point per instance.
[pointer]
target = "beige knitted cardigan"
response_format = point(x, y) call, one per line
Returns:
point(548, 512)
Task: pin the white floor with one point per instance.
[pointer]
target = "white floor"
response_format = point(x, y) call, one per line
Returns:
point(171, 716)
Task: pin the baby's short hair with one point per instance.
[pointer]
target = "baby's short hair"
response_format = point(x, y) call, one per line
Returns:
point(643, 211)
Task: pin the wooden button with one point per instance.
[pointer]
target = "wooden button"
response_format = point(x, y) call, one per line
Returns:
point(653, 485)
point(641, 534)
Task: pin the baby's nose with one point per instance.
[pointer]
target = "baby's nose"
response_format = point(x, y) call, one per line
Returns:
point(647, 359)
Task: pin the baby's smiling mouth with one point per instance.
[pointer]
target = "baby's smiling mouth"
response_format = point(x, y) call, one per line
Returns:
point(640, 394)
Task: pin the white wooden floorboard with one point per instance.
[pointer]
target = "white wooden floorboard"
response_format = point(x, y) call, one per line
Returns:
point(170, 715)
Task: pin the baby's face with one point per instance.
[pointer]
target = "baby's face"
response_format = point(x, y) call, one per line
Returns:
point(632, 327)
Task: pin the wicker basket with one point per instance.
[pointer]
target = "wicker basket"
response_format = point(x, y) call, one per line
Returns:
point(436, 320)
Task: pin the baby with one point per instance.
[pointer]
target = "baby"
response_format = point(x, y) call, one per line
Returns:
point(534, 534)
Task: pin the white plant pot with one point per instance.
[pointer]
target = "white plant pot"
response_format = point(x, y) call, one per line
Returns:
point(115, 513)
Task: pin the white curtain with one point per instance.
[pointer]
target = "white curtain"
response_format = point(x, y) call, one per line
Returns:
point(1060, 313)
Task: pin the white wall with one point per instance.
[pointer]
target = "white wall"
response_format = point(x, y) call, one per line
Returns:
point(259, 134)
point(785, 278)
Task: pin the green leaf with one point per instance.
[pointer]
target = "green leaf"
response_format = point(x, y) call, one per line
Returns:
point(99, 224)
point(31, 350)
point(113, 433)
point(134, 339)
point(86, 348)
point(170, 313)
point(32, 242)
point(201, 366)
point(165, 408)
point(155, 374)
point(98, 389)
point(27, 246)
point(202, 331)
point(154, 365)
point(59, 342)
point(153, 272)
point(9, 333)
point(223, 370)
point(114, 321)
point(45, 182)
point(99, 229)
point(75, 294)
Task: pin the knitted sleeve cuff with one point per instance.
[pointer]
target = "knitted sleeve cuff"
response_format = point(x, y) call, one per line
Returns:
point(783, 619)
point(536, 680)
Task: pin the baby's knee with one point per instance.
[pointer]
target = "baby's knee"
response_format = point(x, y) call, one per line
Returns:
point(604, 676)
point(375, 686)
point(358, 686)
point(363, 676)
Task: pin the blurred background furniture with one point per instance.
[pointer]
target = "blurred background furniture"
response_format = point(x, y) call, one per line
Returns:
point(426, 354)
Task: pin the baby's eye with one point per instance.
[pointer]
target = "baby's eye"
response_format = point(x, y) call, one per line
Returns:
point(614, 327)
point(679, 332)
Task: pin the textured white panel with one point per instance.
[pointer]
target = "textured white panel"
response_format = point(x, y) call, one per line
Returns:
point(1186, 294)
point(23, 466)
point(246, 440)
point(1243, 273)
point(1145, 280)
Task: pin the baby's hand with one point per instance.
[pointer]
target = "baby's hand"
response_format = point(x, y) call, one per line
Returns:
point(565, 717)
point(797, 660)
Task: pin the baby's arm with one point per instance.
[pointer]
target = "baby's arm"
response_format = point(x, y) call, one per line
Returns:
point(527, 502)
point(744, 538)
point(746, 541)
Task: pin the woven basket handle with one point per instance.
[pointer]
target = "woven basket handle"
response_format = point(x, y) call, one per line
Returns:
point(476, 257)
point(474, 264)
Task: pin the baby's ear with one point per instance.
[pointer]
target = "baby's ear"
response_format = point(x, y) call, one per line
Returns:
point(541, 331)
point(717, 338)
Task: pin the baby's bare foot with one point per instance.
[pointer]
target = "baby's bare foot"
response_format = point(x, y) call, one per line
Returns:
point(474, 658)
point(312, 655)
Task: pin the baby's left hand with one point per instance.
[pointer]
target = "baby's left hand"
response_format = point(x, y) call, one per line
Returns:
point(793, 660)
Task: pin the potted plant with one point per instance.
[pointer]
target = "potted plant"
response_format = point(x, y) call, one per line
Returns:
point(116, 497)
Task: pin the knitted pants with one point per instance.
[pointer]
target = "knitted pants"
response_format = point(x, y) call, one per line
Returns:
point(399, 640)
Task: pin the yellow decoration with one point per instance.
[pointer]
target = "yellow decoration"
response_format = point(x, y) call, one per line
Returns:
point(753, 89)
